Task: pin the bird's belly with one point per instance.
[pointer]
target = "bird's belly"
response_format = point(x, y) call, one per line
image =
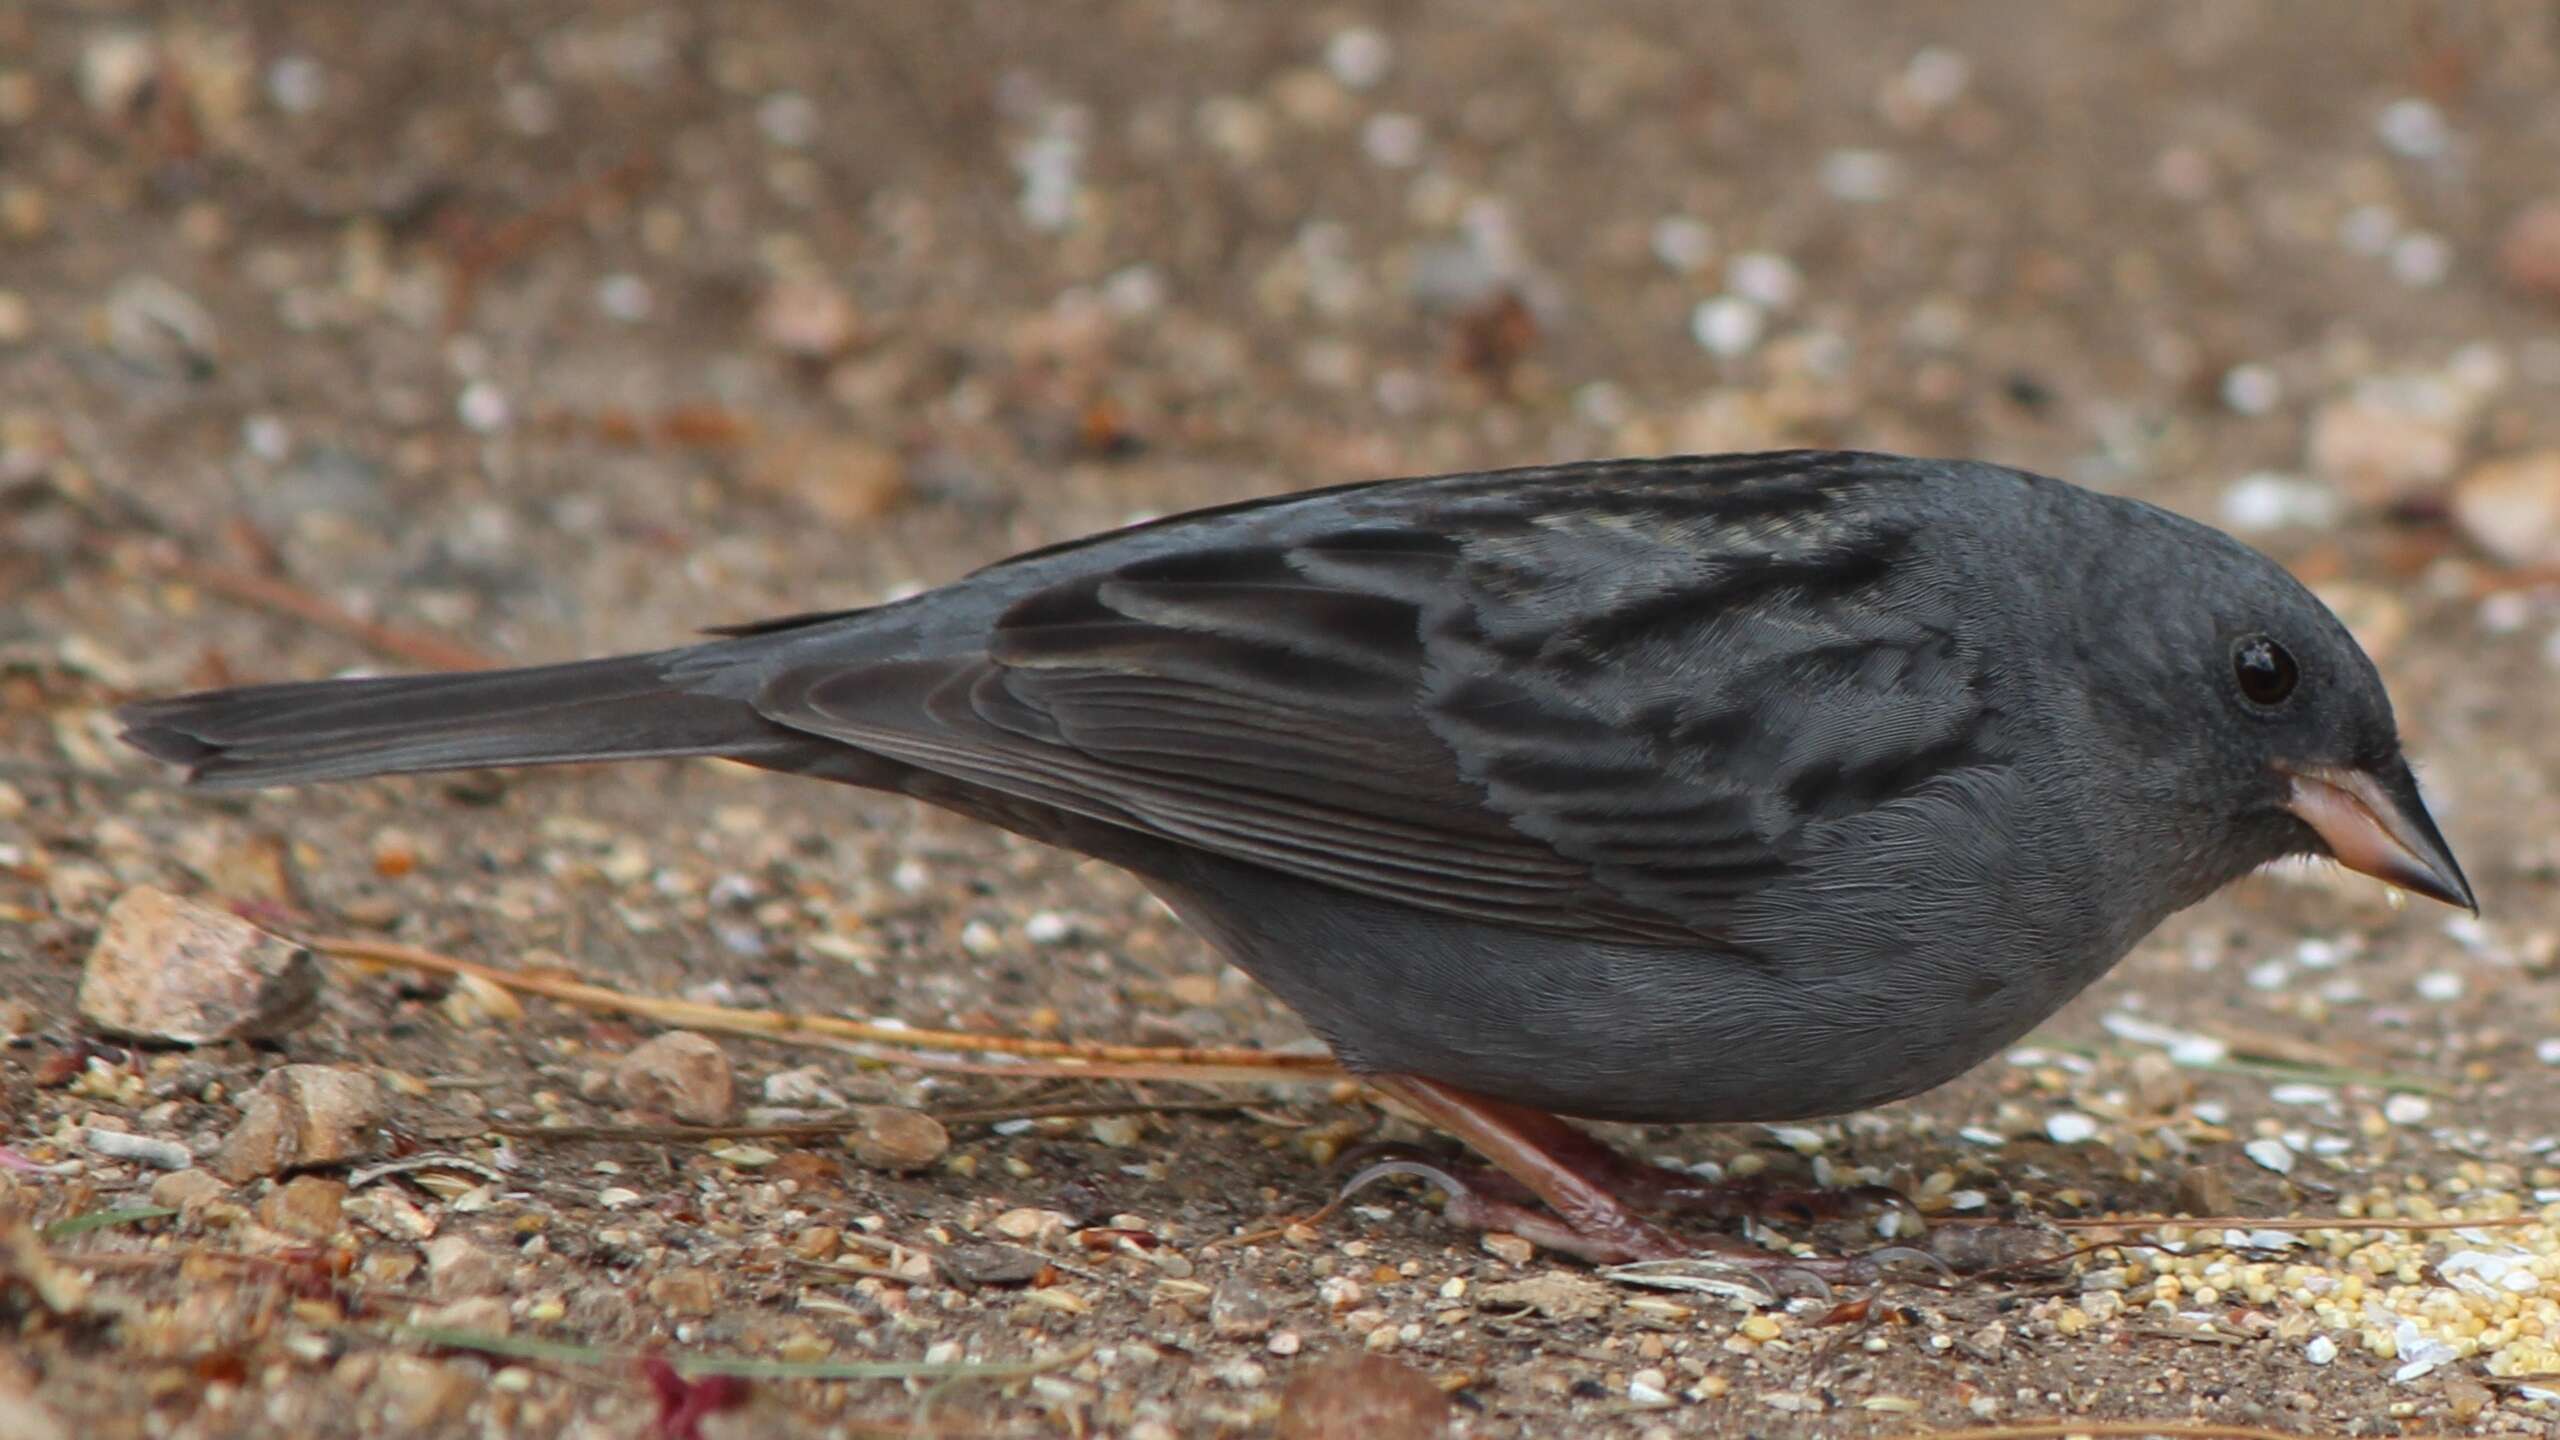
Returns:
point(1610, 1032)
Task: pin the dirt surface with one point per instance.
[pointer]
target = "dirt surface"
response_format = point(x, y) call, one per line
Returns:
point(551, 329)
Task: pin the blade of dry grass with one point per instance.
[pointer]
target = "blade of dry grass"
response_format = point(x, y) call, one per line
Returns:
point(1067, 1058)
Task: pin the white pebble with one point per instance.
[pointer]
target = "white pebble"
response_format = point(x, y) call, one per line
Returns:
point(2505, 613)
point(1935, 76)
point(2272, 1154)
point(1048, 165)
point(1768, 280)
point(2414, 128)
point(267, 437)
point(1727, 326)
point(2299, 1094)
point(2406, 1109)
point(297, 84)
point(788, 118)
point(2547, 1051)
point(2070, 1127)
point(484, 407)
point(2421, 259)
point(624, 296)
point(2269, 975)
point(2252, 389)
point(1047, 927)
point(1861, 176)
point(2213, 1112)
point(2268, 500)
point(1134, 290)
point(2440, 986)
point(142, 1149)
point(2369, 229)
point(1393, 140)
point(2321, 1350)
point(1683, 242)
point(1358, 57)
point(1802, 1139)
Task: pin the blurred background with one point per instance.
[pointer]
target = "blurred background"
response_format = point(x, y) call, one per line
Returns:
point(399, 335)
point(559, 322)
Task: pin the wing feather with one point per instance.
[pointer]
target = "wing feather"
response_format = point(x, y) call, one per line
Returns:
point(1614, 720)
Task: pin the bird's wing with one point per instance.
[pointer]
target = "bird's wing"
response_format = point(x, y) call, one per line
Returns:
point(1606, 713)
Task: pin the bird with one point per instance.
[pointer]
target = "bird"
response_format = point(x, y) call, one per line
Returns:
point(1698, 789)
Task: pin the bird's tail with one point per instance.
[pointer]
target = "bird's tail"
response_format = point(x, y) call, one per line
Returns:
point(623, 708)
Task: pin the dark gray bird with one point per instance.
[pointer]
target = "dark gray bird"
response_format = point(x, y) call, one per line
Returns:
point(1740, 788)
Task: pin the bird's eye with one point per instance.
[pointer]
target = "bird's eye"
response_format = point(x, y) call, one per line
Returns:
point(2265, 670)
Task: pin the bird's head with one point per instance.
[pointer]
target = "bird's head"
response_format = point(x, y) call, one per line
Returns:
point(2272, 722)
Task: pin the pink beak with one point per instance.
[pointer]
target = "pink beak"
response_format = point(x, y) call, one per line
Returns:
point(2379, 826)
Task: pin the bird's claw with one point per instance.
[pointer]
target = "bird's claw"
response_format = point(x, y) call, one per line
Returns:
point(1378, 1170)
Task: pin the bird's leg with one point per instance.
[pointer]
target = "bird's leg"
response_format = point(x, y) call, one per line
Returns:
point(1554, 1161)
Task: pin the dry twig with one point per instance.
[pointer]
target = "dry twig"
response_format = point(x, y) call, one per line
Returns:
point(1070, 1059)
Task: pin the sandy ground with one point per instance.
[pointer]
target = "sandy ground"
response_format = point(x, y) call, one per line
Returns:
point(550, 329)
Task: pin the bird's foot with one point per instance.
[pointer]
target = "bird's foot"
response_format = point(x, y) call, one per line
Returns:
point(1643, 1185)
point(1474, 1201)
point(1555, 1186)
point(1647, 1186)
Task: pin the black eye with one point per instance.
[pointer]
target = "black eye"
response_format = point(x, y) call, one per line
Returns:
point(2265, 670)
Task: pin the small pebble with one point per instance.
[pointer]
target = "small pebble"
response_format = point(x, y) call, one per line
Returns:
point(2321, 1350)
point(1767, 280)
point(2406, 1109)
point(624, 297)
point(2070, 1127)
point(2421, 259)
point(142, 1149)
point(1683, 243)
point(1359, 57)
point(895, 1138)
point(171, 969)
point(483, 407)
point(1936, 76)
point(303, 1115)
point(2252, 389)
point(1861, 176)
point(2529, 251)
point(2271, 1154)
point(1394, 140)
point(788, 119)
point(2369, 230)
point(679, 1074)
point(297, 84)
point(1239, 1310)
point(2414, 128)
point(1727, 326)
point(2510, 508)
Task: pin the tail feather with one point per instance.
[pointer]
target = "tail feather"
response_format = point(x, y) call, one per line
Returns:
point(623, 708)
